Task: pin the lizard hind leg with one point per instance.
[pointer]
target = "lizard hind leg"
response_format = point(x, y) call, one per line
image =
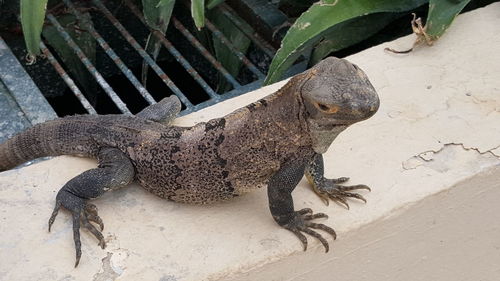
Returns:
point(114, 171)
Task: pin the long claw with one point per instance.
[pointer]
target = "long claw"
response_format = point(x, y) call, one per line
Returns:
point(339, 180)
point(354, 195)
point(54, 214)
point(328, 190)
point(76, 238)
point(91, 215)
point(315, 216)
point(339, 193)
point(323, 197)
point(305, 211)
point(97, 220)
point(301, 237)
point(302, 223)
point(94, 231)
point(339, 200)
point(354, 187)
point(323, 227)
point(317, 236)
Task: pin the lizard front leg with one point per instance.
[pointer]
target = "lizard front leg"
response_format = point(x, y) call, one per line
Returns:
point(279, 191)
point(330, 189)
point(114, 171)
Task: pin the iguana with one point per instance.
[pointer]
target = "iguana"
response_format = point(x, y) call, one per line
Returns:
point(272, 142)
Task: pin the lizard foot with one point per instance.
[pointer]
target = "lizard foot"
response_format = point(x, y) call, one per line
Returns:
point(83, 213)
point(301, 222)
point(330, 189)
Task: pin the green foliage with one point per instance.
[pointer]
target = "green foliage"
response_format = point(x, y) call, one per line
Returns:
point(350, 32)
point(330, 25)
point(223, 54)
point(318, 20)
point(157, 14)
point(441, 15)
point(213, 3)
point(198, 13)
point(32, 18)
point(326, 26)
point(83, 39)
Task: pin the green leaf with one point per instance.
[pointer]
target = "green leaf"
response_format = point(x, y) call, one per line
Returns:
point(72, 62)
point(223, 54)
point(157, 13)
point(213, 3)
point(349, 33)
point(198, 13)
point(32, 18)
point(312, 24)
point(441, 15)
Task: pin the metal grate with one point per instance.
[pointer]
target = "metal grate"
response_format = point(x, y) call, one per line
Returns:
point(238, 87)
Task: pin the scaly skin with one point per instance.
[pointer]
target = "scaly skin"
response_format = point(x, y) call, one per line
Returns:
point(271, 142)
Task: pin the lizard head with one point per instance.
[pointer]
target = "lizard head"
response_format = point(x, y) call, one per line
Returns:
point(336, 94)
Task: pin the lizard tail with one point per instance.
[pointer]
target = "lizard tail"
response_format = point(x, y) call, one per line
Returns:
point(51, 138)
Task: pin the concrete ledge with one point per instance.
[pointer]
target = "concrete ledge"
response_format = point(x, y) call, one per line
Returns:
point(439, 124)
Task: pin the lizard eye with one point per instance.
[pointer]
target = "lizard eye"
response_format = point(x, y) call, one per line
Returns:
point(323, 107)
point(330, 109)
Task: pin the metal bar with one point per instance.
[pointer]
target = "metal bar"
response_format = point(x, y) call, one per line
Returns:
point(163, 76)
point(119, 63)
point(233, 49)
point(64, 75)
point(254, 36)
point(230, 45)
point(229, 95)
point(293, 70)
point(172, 50)
point(19, 85)
point(91, 68)
point(267, 19)
point(179, 26)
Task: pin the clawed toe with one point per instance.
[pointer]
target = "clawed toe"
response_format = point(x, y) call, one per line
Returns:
point(305, 211)
point(94, 231)
point(302, 223)
point(353, 187)
point(339, 180)
point(82, 213)
point(340, 197)
point(315, 216)
point(91, 215)
point(330, 190)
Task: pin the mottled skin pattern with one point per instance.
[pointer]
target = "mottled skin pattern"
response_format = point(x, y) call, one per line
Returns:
point(224, 157)
point(272, 142)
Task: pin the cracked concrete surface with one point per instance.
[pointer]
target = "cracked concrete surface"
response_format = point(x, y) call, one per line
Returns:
point(453, 153)
point(438, 124)
point(107, 272)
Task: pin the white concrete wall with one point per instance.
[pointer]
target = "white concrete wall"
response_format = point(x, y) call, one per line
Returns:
point(438, 124)
point(450, 236)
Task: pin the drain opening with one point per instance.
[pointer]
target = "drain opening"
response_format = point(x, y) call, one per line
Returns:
point(184, 67)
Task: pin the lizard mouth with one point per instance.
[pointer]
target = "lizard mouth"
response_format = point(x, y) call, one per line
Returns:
point(331, 127)
point(329, 124)
point(324, 133)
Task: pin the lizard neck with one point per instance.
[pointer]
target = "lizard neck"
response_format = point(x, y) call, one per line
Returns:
point(277, 119)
